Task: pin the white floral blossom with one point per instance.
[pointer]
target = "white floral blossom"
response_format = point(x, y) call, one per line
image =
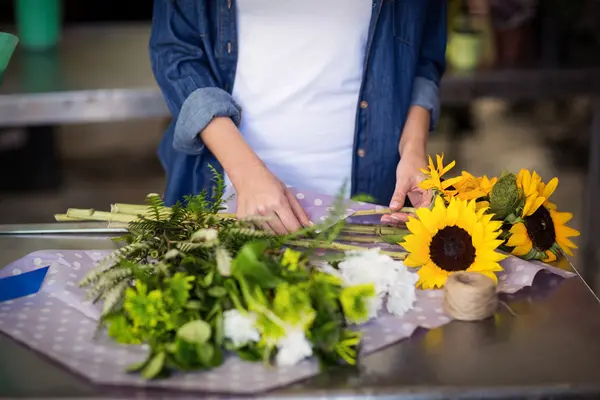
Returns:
point(293, 348)
point(240, 328)
point(392, 280)
point(402, 293)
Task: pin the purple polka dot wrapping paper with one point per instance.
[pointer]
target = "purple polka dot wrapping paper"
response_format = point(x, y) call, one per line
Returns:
point(60, 322)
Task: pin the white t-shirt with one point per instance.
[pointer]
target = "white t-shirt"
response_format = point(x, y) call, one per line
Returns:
point(298, 79)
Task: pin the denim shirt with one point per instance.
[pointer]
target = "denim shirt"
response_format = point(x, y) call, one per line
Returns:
point(193, 50)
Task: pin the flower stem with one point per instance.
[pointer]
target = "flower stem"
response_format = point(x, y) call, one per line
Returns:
point(381, 211)
point(373, 229)
point(93, 215)
point(341, 247)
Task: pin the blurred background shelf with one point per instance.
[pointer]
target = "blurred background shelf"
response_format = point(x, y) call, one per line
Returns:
point(101, 73)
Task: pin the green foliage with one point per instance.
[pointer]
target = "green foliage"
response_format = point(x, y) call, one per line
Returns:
point(183, 267)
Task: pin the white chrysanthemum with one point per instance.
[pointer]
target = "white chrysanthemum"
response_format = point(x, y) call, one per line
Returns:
point(293, 348)
point(392, 280)
point(402, 293)
point(240, 328)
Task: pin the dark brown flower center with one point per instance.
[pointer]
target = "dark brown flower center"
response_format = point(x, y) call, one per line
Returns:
point(452, 249)
point(540, 229)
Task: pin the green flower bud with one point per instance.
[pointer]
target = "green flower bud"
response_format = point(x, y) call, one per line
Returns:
point(505, 196)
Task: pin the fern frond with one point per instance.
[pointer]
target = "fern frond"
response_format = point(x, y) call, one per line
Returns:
point(110, 261)
point(249, 232)
point(109, 279)
point(218, 191)
point(187, 247)
point(114, 296)
point(223, 261)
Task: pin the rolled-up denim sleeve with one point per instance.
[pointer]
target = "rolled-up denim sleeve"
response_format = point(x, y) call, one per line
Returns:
point(432, 61)
point(188, 82)
point(201, 106)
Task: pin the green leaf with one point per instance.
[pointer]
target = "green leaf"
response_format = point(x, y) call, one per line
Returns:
point(249, 354)
point(208, 279)
point(205, 352)
point(219, 330)
point(137, 367)
point(249, 265)
point(217, 291)
point(353, 300)
point(185, 355)
point(154, 366)
point(394, 239)
point(193, 305)
point(196, 332)
point(365, 198)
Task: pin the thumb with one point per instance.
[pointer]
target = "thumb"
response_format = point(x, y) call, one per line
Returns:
point(398, 198)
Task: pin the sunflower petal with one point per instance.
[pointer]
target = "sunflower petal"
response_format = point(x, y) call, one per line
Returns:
point(550, 188)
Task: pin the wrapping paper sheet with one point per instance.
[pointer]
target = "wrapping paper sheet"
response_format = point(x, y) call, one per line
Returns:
point(59, 322)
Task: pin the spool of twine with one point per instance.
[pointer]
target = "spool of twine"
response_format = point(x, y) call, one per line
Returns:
point(469, 296)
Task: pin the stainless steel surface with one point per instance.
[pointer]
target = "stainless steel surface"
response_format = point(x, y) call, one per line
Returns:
point(98, 73)
point(62, 228)
point(550, 348)
point(102, 73)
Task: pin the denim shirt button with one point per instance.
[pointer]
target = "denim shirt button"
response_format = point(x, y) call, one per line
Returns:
point(228, 47)
point(361, 152)
point(364, 104)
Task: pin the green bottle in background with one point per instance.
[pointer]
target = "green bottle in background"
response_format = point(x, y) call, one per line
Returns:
point(8, 43)
point(38, 23)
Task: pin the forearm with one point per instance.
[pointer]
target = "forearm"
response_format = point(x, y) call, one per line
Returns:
point(222, 137)
point(414, 137)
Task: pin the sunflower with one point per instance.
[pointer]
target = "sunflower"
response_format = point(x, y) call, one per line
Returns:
point(530, 184)
point(435, 181)
point(541, 233)
point(445, 240)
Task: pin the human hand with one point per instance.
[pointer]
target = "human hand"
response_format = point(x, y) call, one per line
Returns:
point(259, 192)
point(408, 177)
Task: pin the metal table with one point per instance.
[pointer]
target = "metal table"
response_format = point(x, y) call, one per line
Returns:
point(550, 348)
point(102, 73)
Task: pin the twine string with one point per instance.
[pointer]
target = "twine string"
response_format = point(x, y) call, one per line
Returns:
point(470, 296)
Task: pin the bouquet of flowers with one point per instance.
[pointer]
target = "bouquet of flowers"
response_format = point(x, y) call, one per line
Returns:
point(473, 217)
point(193, 283)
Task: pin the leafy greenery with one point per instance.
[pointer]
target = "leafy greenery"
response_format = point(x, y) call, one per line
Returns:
point(182, 268)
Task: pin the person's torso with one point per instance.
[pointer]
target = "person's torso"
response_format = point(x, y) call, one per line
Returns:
point(392, 51)
point(298, 77)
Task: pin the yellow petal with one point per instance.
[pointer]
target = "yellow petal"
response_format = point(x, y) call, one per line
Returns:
point(550, 256)
point(452, 212)
point(517, 239)
point(447, 167)
point(417, 228)
point(561, 218)
point(550, 188)
point(523, 249)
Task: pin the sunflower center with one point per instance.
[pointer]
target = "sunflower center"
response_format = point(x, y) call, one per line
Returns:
point(540, 229)
point(452, 249)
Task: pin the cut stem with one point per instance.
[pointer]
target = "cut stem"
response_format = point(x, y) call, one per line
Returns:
point(64, 218)
point(341, 247)
point(373, 229)
point(382, 211)
point(360, 239)
point(93, 215)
